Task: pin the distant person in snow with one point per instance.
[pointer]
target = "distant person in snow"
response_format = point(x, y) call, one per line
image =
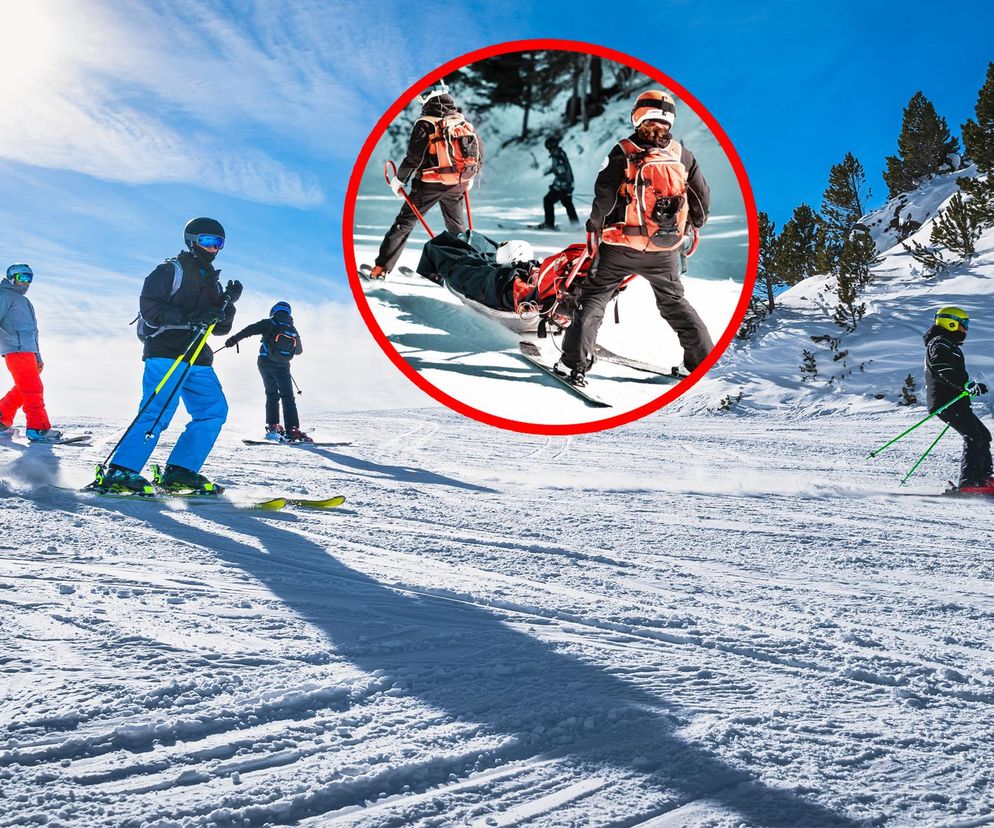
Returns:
point(649, 194)
point(280, 344)
point(945, 379)
point(19, 348)
point(561, 189)
point(179, 302)
point(444, 154)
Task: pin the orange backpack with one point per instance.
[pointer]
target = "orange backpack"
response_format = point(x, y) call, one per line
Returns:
point(455, 149)
point(654, 195)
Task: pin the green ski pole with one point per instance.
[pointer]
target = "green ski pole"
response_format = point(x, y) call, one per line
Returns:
point(875, 452)
point(928, 451)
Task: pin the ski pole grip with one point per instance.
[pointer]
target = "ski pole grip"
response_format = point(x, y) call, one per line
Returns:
point(389, 171)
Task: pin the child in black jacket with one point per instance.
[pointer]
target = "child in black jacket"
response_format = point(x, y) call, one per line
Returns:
point(280, 343)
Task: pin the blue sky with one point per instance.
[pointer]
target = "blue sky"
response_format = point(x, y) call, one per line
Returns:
point(123, 119)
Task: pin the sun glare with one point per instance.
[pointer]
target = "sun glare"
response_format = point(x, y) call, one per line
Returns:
point(28, 42)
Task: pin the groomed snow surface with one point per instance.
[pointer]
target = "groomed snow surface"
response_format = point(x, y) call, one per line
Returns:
point(674, 623)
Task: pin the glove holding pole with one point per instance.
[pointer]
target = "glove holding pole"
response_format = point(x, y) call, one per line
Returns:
point(395, 184)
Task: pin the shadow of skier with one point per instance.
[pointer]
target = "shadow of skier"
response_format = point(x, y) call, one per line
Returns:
point(401, 474)
point(461, 658)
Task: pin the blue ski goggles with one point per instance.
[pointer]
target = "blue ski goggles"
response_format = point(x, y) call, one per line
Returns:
point(209, 240)
point(20, 274)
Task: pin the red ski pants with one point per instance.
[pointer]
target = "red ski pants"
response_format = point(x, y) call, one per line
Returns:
point(28, 392)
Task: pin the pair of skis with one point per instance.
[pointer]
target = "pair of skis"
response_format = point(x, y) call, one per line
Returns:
point(273, 504)
point(294, 443)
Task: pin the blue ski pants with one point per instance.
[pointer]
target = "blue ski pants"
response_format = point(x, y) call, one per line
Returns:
point(203, 400)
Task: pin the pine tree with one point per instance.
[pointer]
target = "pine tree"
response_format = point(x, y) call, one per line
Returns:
point(908, 395)
point(978, 135)
point(809, 366)
point(922, 147)
point(978, 140)
point(767, 257)
point(843, 202)
point(957, 228)
point(799, 246)
point(855, 259)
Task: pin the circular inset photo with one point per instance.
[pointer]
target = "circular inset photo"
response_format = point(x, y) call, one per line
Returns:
point(550, 237)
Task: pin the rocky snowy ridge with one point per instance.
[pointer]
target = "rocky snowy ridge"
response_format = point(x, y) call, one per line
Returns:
point(862, 370)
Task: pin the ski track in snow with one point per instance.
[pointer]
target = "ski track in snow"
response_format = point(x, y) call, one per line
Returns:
point(716, 621)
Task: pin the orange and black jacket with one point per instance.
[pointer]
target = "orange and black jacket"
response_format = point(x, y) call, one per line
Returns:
point(607, 207)
point(418, 158)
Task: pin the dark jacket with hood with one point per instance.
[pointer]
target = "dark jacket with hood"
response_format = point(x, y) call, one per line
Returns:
point(607, 207)
point(279, 323)
point(945, 369)
point(418, 158)
point(199, 293)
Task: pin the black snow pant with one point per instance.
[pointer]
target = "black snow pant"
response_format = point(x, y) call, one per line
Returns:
point(975, 467)
point(424, 196)
point(613, 265)
point(553, 197)
point(279, 387)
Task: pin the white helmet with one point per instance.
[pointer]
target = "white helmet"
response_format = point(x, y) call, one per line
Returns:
point(440, 88)
point(515, 250)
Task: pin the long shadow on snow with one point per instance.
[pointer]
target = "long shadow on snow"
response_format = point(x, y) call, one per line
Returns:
point(402, 474)
point(462, 323)
point(462, 659)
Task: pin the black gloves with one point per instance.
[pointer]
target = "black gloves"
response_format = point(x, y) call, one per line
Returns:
point(231, 340)
point(975, 388)
point(205, 317)
point(233, 291)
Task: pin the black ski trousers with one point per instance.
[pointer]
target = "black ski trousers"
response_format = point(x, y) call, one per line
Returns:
point(613, 265)
point(975, 467)
point(423, 196)
point(279, 387)
point(554, 197)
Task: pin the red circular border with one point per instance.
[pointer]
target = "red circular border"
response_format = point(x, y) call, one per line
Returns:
point(348, 241)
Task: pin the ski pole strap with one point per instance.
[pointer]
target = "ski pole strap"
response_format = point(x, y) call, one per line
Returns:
point(905, 433)
point(928, 451)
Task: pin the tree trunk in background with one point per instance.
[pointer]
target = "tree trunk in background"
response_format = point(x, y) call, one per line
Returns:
point(584, 87)
point(596, 79)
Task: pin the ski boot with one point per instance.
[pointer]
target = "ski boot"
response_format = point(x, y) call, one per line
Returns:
point(43, 435)
point(295, 435)
point(576, 375)
point(275, 432)
point(177, 480)
point(118, 480)
point(377, 273)
point(984, 488)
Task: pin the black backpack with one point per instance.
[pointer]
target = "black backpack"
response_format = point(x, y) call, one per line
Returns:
point(280, 344)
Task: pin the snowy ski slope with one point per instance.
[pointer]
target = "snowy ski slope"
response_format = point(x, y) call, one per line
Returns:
point(669, 624)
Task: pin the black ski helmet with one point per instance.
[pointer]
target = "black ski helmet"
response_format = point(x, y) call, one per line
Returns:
point(200, 226)
point(551, 141)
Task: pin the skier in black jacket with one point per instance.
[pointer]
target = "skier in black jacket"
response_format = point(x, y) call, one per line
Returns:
point(180, 299)
point(632, 241)
point(945, 379)
point(443, 155)
point(561, 189)
point(280, 344)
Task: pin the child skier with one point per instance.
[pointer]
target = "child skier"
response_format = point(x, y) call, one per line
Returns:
point(280, 344)
point(180, 300)
point(561, 189)
point(19, 348)
point(945, 379)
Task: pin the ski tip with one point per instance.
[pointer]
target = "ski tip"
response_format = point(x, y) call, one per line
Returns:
point(329, 503)
point(273, 505)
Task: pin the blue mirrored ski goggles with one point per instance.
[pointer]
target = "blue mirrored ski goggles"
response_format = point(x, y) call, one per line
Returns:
point(210, 240)
point(20, 274)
